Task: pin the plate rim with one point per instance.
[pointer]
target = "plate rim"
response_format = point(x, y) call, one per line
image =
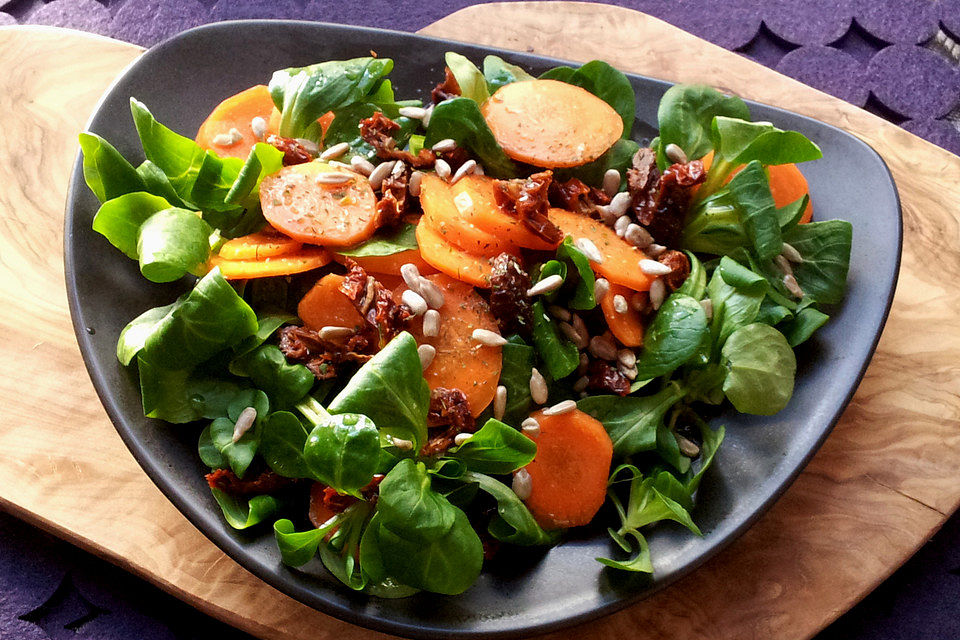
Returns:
point(197, 513)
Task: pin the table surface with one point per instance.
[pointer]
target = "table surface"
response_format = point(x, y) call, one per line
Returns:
point(895, 58)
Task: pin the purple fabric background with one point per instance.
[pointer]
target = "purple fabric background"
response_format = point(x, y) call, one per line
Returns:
point(897, 58)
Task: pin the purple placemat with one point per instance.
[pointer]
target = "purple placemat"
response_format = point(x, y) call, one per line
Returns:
point(897, 58)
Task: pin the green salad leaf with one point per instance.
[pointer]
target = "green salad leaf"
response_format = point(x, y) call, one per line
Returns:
point(496, 449)
point(760, 369)
point(498, 72)
point(460, 120)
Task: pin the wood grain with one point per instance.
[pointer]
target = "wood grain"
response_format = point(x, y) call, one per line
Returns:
point(882, 484)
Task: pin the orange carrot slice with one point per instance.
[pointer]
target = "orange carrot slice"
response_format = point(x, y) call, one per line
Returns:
point(568, 476)
point(452, 219)
point(451, 260)
point(389, 264)
point(326, 306)
point(626, 327)
point(237, 113)
point(621, 260)
point(259, 245)
point(304, 260)
point(461, 362)
point(483, 211)
point(548, 123)
point(298, 203)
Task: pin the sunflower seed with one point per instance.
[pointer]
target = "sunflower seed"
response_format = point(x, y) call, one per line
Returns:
point(790, 253)
point(654, 268)
point(584, 363)
point(411, 276)
point(478, 170)
point(334, 333)
point(465, 168)
point(500, 402)
point(611, 182)
point(627, 357)
point(573, 335)
point(341, 165)
point(427, 353)
point(707, 305)
point(581, 384)
point(675, 154)
point(654, 250)
point(638, 301)
point(442, 167)
point(333, 177)
point(461, 438)
point(530, 427)
point(559, 312)
point(335, 151)
point(447, 144)
point(362, 165)
point(431, 293)
point(522, 485)
point(431, 323)
point(538, 387)
point(259, 127)
point(790, 282)
point(417, 113)
point(602, 347)
point(228, 139)
point(638, 236)
point(629, 372)
point(620, 304)
point(621, 225)
point(415, 301)
point(579, 325)
point(400, 443)
point(687, 447)
point(380, 172)
point(398, 169)
point(658, 291)
point(426, 119)
point(413, 185)
point(608, 216)
point(620, 203)
point(784, 265)
point(310, 146)
point(560, 408)
point(600, 288)
point(244, 421)
point(587, 248)
point(488, 338)
point(548, 284)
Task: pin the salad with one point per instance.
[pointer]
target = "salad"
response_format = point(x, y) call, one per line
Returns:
point(412, 334)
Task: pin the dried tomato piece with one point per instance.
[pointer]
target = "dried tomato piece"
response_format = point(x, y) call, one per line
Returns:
point(448, 408)
point(378, 130)
point(676, 192)
point(509, 303)
point(680, 265)
point(264, 482)
point(322, 357)
point(575, 195)
point(605, 377)
point(393, 204)
point(528, 199)
point(643, 184)
point(385, 316)
point(294, 152)
point(447, 89)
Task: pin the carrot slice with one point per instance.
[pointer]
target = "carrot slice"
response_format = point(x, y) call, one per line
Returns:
point(304, 260)
point(621, 260)
point(451, 260)
point(787, 184)
point(297, 204)
point(548, 123)
point(326, 306)
point(259, 245)
point(626, 327)
point(484, 212)
point(237, 112)
point(451, 218)
point(568, 476)
point(389, 264)
point(461, 362)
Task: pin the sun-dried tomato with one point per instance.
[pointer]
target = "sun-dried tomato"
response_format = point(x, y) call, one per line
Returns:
point(576, 195)
point(264, 482)
point(448, 408)
point(378, 130)
point(322, 357)
point(604, 377)
point(680, 265)
point(527, 198)
point(660, 202)
point(643, 183)
point(385, 316)
point(509, 303)
point(293, 151)
point(393, 204)
point(447, 89)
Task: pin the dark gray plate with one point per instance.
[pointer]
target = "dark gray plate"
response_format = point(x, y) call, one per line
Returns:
point(524, 592)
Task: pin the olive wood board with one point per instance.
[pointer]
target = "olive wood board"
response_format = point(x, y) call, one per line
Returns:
point(884, 481)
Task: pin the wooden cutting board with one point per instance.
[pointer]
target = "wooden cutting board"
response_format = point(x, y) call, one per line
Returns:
point(883, 483)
